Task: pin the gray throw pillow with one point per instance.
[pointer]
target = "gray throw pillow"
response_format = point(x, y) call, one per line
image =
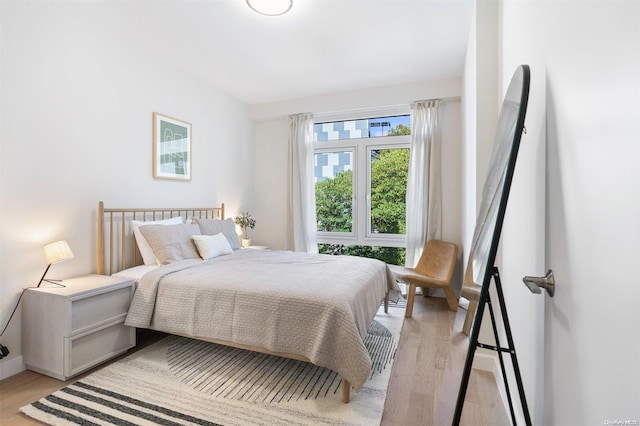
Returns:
point(215, 226)
point(171, 243)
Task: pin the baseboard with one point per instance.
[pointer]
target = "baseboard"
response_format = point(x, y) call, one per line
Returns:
point(487, 362)
point(11, 366)
point(491, 363)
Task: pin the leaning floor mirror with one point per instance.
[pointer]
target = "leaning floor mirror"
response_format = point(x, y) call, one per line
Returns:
point(481, 269)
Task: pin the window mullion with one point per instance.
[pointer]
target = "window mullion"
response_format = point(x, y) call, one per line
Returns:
point(367, 171)
point(361, 195)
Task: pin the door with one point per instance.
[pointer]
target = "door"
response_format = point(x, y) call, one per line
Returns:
point(592, 342)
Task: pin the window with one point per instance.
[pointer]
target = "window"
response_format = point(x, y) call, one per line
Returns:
point(360, 185)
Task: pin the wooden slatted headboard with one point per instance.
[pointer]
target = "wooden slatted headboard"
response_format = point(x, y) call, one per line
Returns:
point(116, 245)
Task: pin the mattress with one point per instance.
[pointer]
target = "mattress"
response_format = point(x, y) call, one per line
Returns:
point(316, 306)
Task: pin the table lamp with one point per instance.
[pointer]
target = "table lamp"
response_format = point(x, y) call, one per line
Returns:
point(54, 253)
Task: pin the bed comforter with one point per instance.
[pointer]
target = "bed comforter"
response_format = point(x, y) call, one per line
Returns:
point(317, 306)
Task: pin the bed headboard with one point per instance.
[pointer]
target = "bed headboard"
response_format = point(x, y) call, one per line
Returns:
point(116, 245)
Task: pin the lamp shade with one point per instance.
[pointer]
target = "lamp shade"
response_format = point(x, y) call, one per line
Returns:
point(270, 7)
point(57, 252)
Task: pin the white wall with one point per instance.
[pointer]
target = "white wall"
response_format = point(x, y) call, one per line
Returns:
point(374, 98)
point(480, 105)
point(271, 135)
point(77, 101)
point(585, 59)
point(270, 205)
point(468, 150)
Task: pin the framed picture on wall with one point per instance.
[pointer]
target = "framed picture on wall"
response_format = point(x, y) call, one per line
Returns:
point(171, 148)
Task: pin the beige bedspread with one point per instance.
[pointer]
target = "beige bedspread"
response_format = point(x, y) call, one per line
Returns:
point(318, 306)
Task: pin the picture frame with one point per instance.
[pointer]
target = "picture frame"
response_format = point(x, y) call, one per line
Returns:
point(172, 156)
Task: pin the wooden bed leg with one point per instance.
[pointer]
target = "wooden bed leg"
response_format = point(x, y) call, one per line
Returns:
point(345, 391)
point(386, 303)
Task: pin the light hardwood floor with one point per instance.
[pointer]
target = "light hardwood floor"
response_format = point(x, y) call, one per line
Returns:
point(426, 374)
point(422, 390)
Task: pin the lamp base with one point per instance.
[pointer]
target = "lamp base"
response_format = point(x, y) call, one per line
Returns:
point(51, 281)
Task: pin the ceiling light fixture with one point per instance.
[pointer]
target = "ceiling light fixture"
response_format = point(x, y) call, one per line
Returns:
point(270, 7)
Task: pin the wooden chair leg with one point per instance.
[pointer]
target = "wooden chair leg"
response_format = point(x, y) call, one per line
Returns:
point(411, 295)
point(451, 298)
point(386, 303)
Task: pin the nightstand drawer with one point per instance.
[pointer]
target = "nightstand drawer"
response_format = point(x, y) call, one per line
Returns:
point(92, 311)
point(85, 351)
point(67, 330)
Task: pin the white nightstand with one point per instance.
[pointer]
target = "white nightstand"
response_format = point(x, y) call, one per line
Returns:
point(257, 248)
point(67, 330)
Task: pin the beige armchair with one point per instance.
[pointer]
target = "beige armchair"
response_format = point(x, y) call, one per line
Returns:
point(434, 270)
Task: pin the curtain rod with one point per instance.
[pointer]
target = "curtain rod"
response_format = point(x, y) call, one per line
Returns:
point(442, 100)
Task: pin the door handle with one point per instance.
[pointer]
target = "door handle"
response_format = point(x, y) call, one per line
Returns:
point(547, 282)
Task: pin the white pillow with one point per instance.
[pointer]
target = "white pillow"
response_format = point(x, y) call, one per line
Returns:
point(210, 246)
point(213, 226)
point(148, 257)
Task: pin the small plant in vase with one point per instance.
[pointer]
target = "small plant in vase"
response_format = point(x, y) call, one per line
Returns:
point(245, 221)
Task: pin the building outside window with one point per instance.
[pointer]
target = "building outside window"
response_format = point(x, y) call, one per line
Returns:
point(360, 185)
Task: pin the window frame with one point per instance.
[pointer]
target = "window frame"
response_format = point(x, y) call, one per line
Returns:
point(390, 240)
point(343, 147)
point(361, 194)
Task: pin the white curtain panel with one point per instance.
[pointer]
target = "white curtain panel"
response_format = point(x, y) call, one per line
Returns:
point(301, 206)
point(424, 185)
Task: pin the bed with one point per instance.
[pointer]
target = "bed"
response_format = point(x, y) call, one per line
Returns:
point(314, 308)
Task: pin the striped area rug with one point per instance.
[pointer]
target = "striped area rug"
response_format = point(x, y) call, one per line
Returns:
point(159, 385)
point(251, 376)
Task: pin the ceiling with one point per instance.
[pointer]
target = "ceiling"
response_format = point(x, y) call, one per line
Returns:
point(319, 47)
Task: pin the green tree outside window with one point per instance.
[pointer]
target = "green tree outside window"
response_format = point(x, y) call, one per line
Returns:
point(334, 198)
